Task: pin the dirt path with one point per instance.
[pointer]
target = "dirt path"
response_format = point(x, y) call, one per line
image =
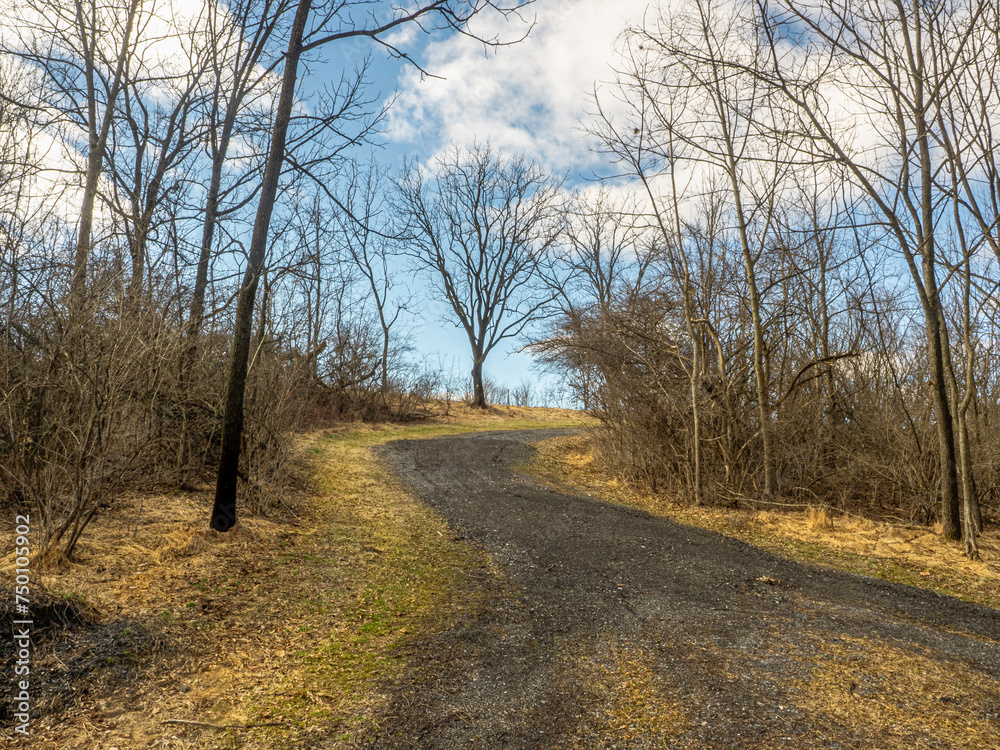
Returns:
point(609, 627)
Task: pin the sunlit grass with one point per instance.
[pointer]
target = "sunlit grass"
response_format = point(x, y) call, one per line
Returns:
point(899, 698)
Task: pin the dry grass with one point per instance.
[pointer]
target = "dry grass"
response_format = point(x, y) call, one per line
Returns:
point(152, 564)
point(304, 619)
point(630, 700)
point(906, 699)
point(882, 694)
point(441, 415)
point(918, 556)
point(819, 519)
point(298, 620)
point(837, 690)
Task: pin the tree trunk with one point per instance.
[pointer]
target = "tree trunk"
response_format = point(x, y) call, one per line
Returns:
point(763, 393)
point(824, 341)
point(196, 311)
point(385, 359)
point(759, 370)
point(697, 369)
point(98, 141)
point(972, 516)
point(696, 375)
point(137, 251)
point(951, 524)
point(479, 392)
point(224, 510)
point(968, 485)
point(937, 334)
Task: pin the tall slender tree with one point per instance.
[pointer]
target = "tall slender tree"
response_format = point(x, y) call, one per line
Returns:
point(81, 54)
point(897, 63)
point(691, 111)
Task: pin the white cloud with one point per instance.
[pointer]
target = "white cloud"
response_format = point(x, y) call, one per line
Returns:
point(530, 97)
point(403, 37)
point(535, 96)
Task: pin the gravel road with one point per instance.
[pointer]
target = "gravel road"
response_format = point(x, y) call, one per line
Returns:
point(609, 627)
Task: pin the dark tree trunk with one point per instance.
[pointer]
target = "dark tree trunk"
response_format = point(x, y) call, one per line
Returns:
point(224, 510)
point(937, 335)
point(951, 518)
point(479, 392)
point(137, 251)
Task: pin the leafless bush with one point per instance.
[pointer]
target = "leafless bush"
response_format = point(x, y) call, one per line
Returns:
point(496, 393)
point(856, 432)
point(80, 400)
point(92, 403)
point(523, 393)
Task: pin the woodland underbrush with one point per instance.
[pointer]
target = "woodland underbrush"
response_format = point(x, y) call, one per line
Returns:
point(121, 396)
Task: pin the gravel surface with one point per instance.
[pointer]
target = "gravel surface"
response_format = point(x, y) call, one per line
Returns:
point(609, 627)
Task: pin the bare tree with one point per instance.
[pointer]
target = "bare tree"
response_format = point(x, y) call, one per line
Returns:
point(600, 263)
point(366, 232)
point(896, 102)
point(239, 40)
point(481, 231)
point(692, 109)
point(156, 133)
point(601, 255)
point(224, 510)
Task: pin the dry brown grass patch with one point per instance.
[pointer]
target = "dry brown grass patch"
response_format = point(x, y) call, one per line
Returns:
point(460, 412)
point(907, 699)
point(820, 519)
point(625, 698)
point(636, 705)
point(140, 561)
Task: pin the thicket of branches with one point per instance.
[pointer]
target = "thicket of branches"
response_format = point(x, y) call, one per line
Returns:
point(133, 146)
point(801, 306)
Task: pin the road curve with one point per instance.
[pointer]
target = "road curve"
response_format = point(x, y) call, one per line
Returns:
point(611, 627)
